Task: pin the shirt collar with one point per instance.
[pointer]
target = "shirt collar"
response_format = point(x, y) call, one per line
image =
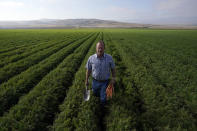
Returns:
point(104, 55)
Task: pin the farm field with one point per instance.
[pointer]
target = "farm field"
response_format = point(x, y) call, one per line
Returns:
point(42, 80)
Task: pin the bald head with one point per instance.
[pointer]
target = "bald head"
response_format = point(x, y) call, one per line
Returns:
point(101, 42)
point(100, 46)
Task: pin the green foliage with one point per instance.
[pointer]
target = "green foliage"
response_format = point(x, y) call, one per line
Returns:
point(36, 110)
point(159, 76)
point(68, 117)
point(11, 90)
point(42, 79)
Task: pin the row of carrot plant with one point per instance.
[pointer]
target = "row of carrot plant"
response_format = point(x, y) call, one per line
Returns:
point(19, 85)
point(36, 43)
point(16, 55)
point(155, 81)
point(36, 110)
point(67, 119)
point(166, 105)
point(15, 68)
point(14, 39)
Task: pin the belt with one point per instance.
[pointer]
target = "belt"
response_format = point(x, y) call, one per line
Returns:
point(100, 80)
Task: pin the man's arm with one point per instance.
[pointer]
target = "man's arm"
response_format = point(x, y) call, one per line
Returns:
point(88, 72)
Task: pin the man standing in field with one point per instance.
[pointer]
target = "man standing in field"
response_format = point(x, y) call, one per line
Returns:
point(100, 65)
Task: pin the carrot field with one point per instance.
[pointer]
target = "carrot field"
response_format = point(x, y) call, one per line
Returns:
point(42, 80)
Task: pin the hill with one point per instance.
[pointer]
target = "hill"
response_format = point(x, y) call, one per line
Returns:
point(83, 23)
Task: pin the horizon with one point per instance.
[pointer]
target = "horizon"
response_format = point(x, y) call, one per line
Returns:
point(181, 24)
point(143, 12)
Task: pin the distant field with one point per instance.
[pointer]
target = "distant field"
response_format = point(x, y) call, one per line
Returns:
point(42, 74)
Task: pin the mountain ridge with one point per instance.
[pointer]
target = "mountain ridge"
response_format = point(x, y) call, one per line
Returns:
point(82, 23)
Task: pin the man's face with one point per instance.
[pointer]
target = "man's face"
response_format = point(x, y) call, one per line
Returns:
point(100, 49)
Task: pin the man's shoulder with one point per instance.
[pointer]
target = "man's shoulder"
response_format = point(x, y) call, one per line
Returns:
point(92, 56)
point(108, 56)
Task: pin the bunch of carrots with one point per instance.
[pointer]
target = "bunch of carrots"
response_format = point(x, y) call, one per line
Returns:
point(109, 91)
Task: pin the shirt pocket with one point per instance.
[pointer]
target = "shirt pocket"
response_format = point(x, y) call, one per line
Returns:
point(95, 66)
point(107, 66)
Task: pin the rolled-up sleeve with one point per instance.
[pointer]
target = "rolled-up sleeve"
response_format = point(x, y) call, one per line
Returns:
point(88, 64)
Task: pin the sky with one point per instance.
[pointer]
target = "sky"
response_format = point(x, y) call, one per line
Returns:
point(133, 11)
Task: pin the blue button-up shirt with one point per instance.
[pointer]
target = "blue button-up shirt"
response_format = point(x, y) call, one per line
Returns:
point(100, 67)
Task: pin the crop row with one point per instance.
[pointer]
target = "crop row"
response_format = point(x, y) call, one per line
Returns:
point(23, 38)
point(90, 113)
point(25, 50)
point(17, 67)
point(177, 79)
point(19, 85)
point(33, 49)
point(163, 104)
point(77, 114)
point(36, 110)
point(68, 119)
point(176, 50)
point(12, 41)
point(13, 50)
point(14, 44)
point(20, 50)
point(124, 110)
point(155, 82)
